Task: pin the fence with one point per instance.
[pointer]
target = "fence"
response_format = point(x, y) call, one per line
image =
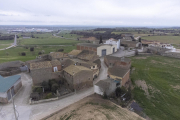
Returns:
point(31, 102)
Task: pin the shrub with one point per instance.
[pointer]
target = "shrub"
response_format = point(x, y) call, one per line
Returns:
point(38, 89)
point(118, 92)
point(54, 87)
point(40, 53)
point(49, 95)
point(23, 54)
point(60, 50)
point(45, 85)
point(32, 49)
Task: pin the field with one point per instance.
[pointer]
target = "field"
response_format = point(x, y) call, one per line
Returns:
point(164, 39)
point(66, 34)
point(12, 54)
point(157, 86)
point(94, 108)
point(47, 41)
point(5, 43)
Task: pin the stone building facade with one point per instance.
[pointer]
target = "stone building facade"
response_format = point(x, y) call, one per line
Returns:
point(111, 61)
point(44, 71)
point(78, 77)
point(120, 74)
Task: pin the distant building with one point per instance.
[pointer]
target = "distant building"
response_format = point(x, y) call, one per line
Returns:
point(131, 44)
point(111, 61)
point(113, 42)
point(57, 55)
point(107, 86)
point(44, 71)
point(99, 49)
point(120, 74)
point(9, 85)
point(127, 38)
point(127, 35)
point(78, 77)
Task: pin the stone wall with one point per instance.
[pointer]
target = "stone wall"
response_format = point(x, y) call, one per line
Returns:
point(125, 79)
point(40, 75)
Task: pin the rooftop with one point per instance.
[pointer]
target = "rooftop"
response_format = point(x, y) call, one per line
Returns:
point(8, 82)
point(92, 45)
point(58, 55)
point(74, 69)
point(39, 65)
point(55, 62)
point(105, 83)
point(75, 52)
point(118, 71)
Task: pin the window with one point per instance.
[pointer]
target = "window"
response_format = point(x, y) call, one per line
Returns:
point(55, 69)
point(93, 66)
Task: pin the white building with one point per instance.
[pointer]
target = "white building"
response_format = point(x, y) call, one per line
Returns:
point(113, 42)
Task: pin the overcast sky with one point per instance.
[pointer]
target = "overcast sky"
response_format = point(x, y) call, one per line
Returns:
point(90, 12)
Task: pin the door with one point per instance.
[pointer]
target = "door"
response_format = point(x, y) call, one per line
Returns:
point(9, 94)
point(113, 50)
point(12, 91)
point(103, 52)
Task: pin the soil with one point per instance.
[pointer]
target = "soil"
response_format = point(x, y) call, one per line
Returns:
point(94, 107)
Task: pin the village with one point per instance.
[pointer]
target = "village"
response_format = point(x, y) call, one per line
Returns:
point(102, 67)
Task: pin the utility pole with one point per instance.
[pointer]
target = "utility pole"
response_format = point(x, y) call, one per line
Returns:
point(14, 106)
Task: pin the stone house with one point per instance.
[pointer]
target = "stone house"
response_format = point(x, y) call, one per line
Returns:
point(131, 44)
point(74, 53)
point(128, 38)
point(44, 71)
point(78, 77)
point(9, 86)
point(57, 55)
point(111, 61)
point(99, 49)
point(107, 86)
point(119, 74)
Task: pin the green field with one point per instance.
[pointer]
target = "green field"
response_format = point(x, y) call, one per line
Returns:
point(164, 39)
point(162, 77)
point(47, 41)
point(66, 34)
point(5, 43)
point(13, 53)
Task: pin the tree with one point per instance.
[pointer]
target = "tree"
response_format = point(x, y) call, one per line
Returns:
point(23, 54)
point(54, 87)
point(7, 53)
point(118, 92)
point(40, 53)
point(31, 48)
point(100, 40)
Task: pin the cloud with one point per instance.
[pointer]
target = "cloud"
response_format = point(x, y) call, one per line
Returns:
point(94, 12)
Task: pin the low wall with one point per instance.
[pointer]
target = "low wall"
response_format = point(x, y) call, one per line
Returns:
point(31, 102)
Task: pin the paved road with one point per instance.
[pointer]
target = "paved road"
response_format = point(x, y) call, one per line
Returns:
point(38, 111)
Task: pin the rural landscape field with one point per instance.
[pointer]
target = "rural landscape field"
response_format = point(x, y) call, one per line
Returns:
point(157, 88)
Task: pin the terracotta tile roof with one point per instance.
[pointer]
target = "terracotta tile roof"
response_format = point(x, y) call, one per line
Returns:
point(55, 62)
point(39, 65)
point(75, 52)
point(118, 71)
point(58, 55)
point(74, 69)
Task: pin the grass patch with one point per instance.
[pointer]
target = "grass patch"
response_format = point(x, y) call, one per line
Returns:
point(14, 52)
point(161, 74)
point(47, 41)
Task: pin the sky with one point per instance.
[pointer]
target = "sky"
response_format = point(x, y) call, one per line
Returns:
point(90, 12)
